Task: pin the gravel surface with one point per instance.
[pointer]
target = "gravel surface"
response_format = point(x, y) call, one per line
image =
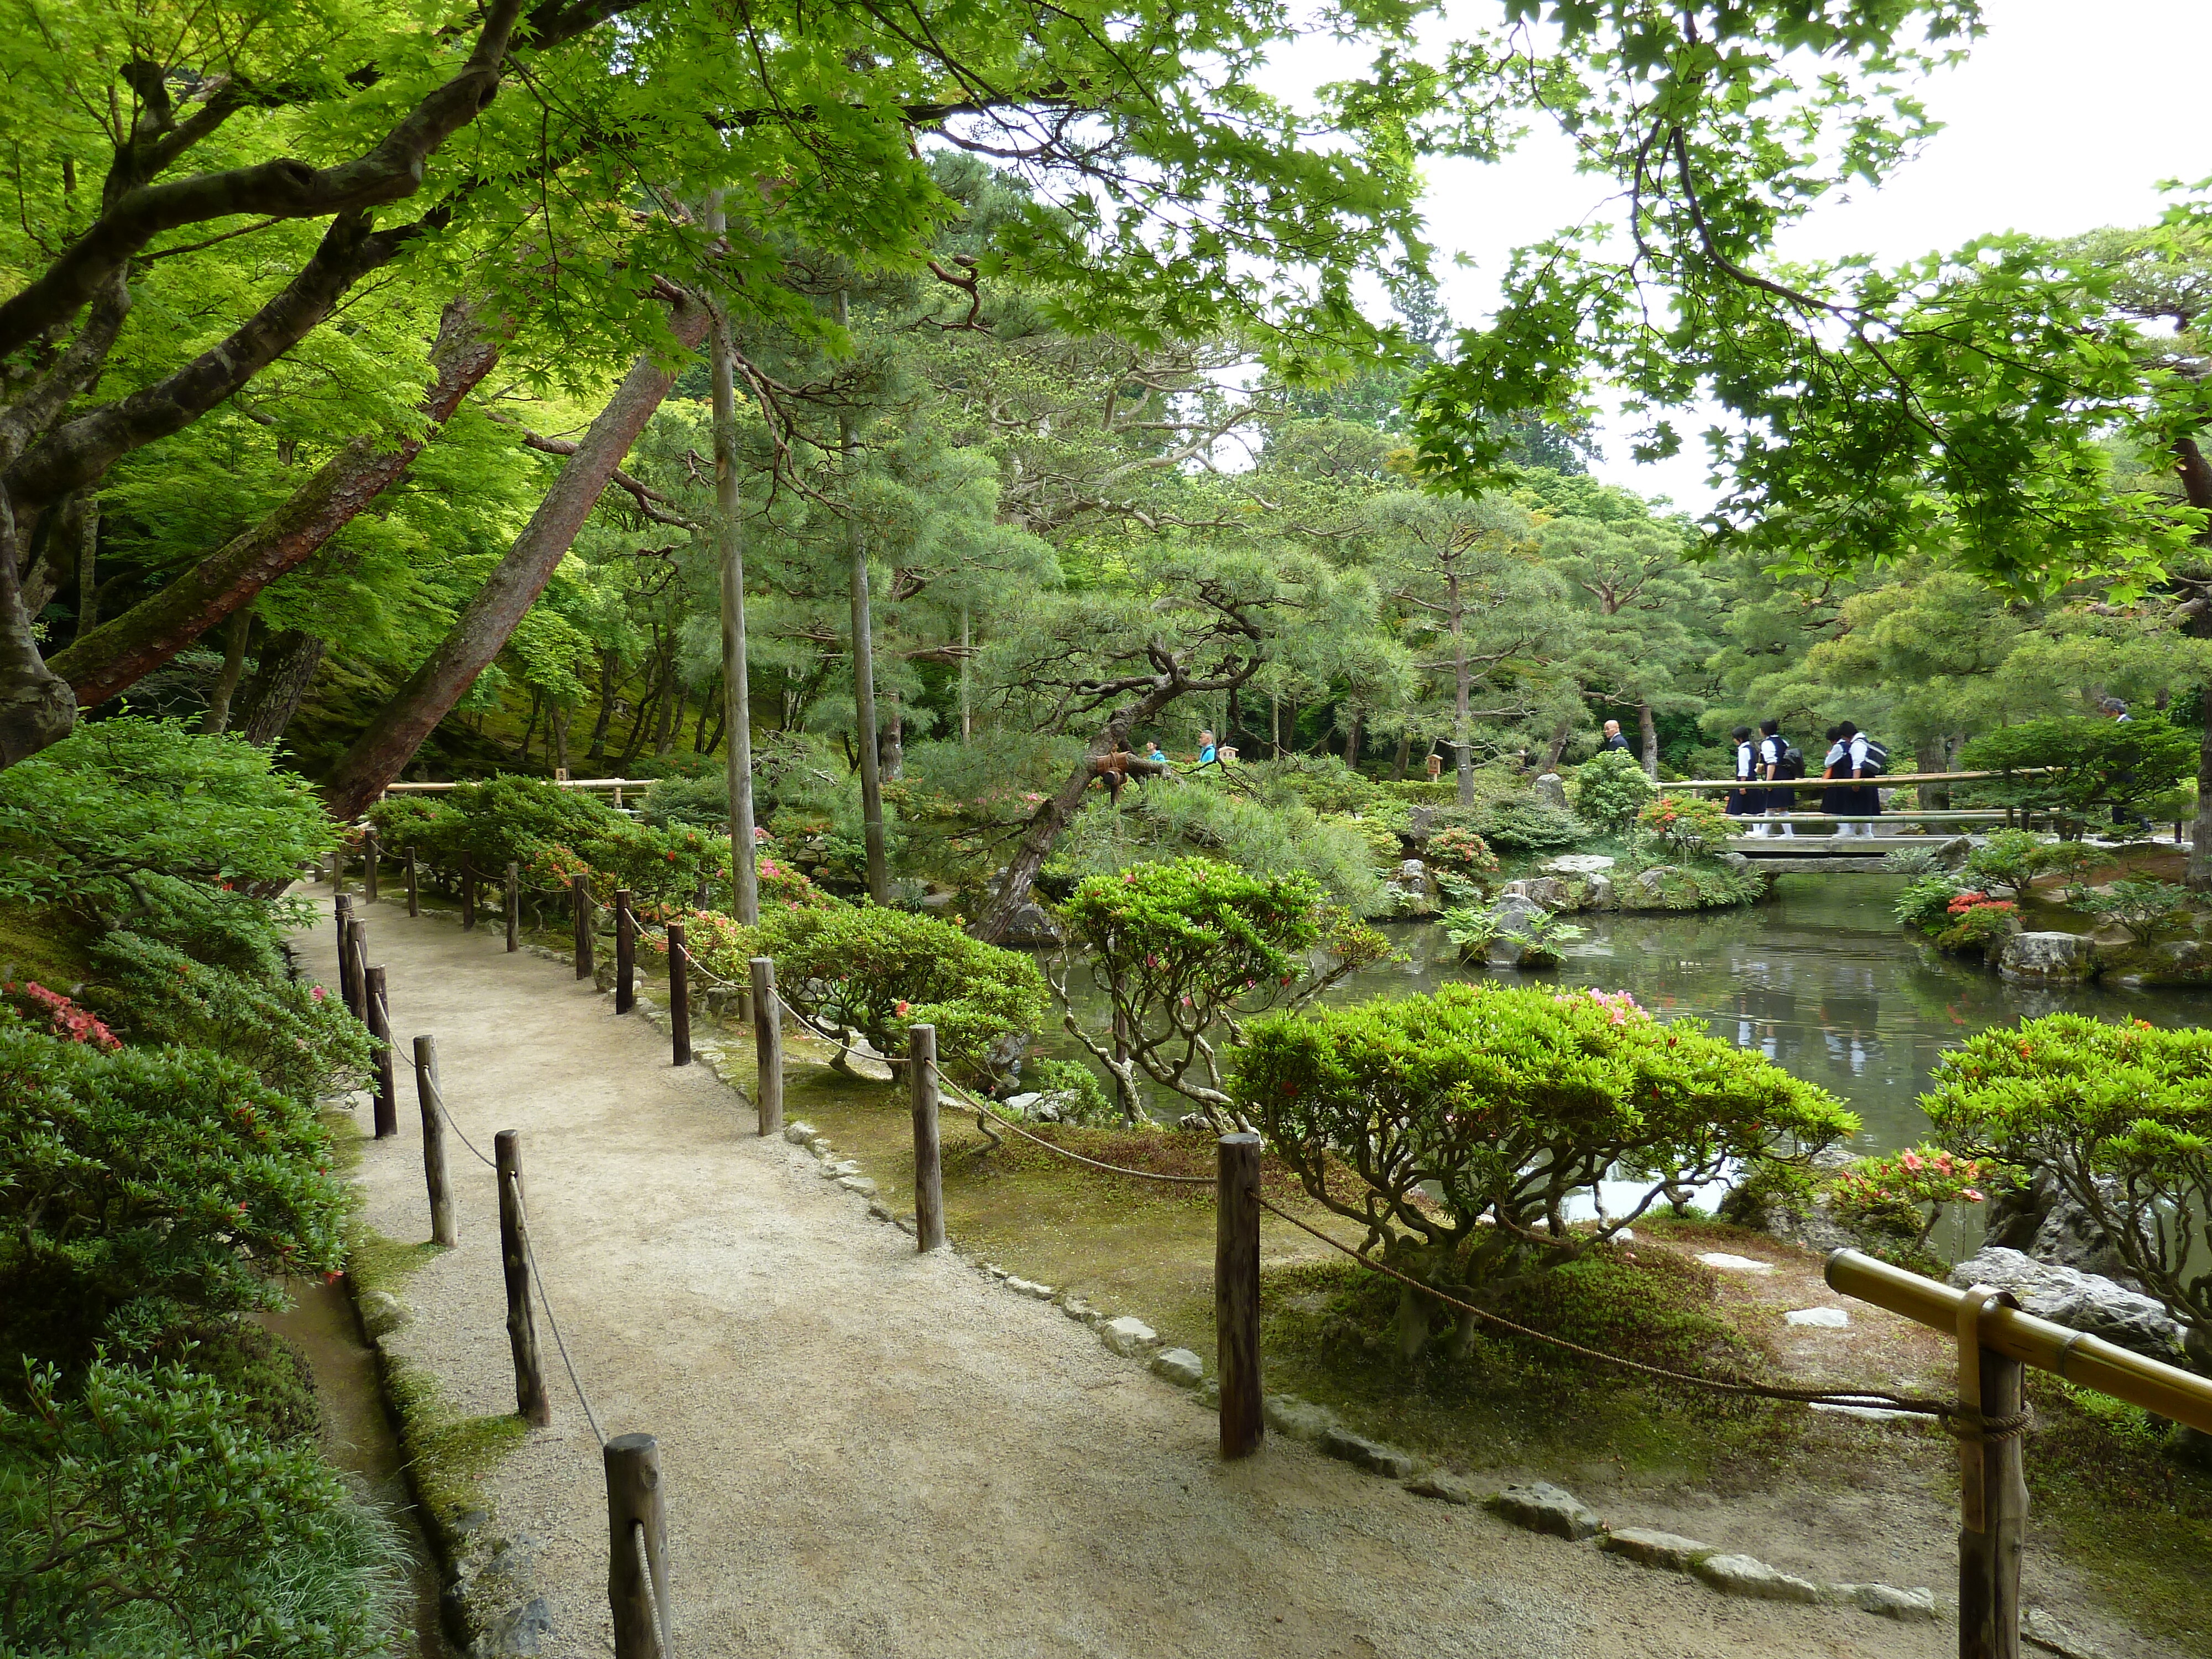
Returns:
point(870, 1452)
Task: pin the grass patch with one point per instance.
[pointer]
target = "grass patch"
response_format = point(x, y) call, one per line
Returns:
point(37, 942)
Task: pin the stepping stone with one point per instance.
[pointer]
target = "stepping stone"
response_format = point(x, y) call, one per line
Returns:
point(1826, 1319)
point(1721, 1260)
point(1740, 1575)
point(1543, 1507)
point(1668, 1550)
point(1301, 1420)
point(1180, 1366)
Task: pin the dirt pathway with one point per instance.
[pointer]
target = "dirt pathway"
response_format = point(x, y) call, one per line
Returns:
point(869, 1452)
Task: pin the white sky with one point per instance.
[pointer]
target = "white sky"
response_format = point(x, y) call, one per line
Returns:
point(2065, 117)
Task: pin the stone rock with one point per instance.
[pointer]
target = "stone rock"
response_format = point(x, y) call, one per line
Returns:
point(1578, 864)
point(1551, 789)
point(1444, 1489)
point(1543, 1507)
point(1030, 1288)
point(2038, 1629)
point(1953, 852)
point(799, 1133)
point(1420, 822)
point(518, 1633)
point(879, 1211)
point(1180, 1366)
point(1907, 1606)
point(1514, 911)
point(820, 1146)
point(1740, 1575)
point(1598, 892)
point(2078, 1301)
point(1128, 1337)
point(1549, 891)
point(1669, 1552)
point(837, 1169)
point(1503, 953)
point(1030, 924)
point(1301, 1420)
point(1080, 1311)
point(1723, 1262)
point(2069, 1237)
point(1738, 862)
point(1363, 1453)
point(934, 903)
point(1195, 1123)
point(858, 1183)
point(1826, 1319)
point(383, 1313)
point(2047, 959)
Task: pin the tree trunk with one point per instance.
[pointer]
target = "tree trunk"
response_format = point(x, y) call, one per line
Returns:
point(36, 705)
point(537, 706)
point(1351, 742)
point(2197, 486)
point(640, 723)
point(864, 675)
point(736, 685)
point(561, 716)
point(609, 680)
point(233, 664)
point(1649, 728)
point(967, 707)
point(1933, 755)
point(85, 511)
point(894, 766)
point(1462, 705)
point(484, 627)
point(288, 661)
point(1404, 754)
point(115, 656)
point(671, 718)
point(1559, 743)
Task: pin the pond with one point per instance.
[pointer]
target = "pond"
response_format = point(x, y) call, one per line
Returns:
point(1819, 977)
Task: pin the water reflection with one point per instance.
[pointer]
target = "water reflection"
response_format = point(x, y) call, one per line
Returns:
point(1820, 979)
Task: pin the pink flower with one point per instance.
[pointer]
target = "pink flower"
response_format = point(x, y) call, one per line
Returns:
point(1912, 1162)
point(1971, 1194)
point(318, 993)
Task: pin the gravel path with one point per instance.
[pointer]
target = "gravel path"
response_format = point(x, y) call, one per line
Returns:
point(873, 1453)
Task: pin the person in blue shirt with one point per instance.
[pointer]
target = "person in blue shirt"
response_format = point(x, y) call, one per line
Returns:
point(1152, 752)
point(1205, 749)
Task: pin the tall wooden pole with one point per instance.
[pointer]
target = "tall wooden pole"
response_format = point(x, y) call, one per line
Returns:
point(1992, 1489)
point(679, 995)
point(342, 917)
point(1237, 1293)
point(625, 953)
point(356, 957)
point(768, 1045)
point(531, 1403)
point(636, 1502)
point(579, 900)
point(513, 906)
point(928, 1171)
point(864, 665)
point(434, 1178)
point(379, 1027)
point(736, 687)
point(370, 853)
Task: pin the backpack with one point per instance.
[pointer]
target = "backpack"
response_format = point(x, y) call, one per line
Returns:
point(1793, 762)
point(1877, 760)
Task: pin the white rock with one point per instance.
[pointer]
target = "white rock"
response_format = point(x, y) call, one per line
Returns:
point(799, 1133)
point(1578, 864)
point(1669, 1551)
point(1180, 1366)
point(1826, 1319)
point(1740, 1575)
point(1021, 1104)
point(820, 1146)
point(838, 1169)
point(860, 1184)
point(1301, 1420)
point(1128, 1337)
point(1735, 1264)
point(1030, 1288)
point(1078, 1310)
point(1910, 1607)
point(1626, 1236)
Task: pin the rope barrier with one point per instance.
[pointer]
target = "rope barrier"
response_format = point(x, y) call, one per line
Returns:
point(439, 1094)
point(660, 1639)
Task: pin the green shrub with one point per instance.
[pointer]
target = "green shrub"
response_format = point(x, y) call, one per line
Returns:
point(2073, 860)
point(144, 1518)
point(1697, 885)
point(1379, 836)
point(512, 820)
point(422, 821)
point(1425, 1118)
point(1689, 826)
point(2008, 862)
point(993, 772)
point(141, 1188)
point(1522, 823)
point(1904, 1195)
point(2095, 764)
point(1610, 788)
point(1461, 851)
point(1081, 1100)
point(1925, 903)
point(1912, 861)
point(702, 803)
point(2143, 908)
point(1186, 950)
point(1322, 782)
point(2118, 1114)
point(1979, 924)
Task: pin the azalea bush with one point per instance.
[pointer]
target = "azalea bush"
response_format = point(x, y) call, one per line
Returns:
point(142, 1189)
point(1926, 903)
point(1184, 952)
point(1456, 1128)
point(1521, 824)
point(2119, 1115)
point(60, 1016)
point(2008, 862)
point(1905, 1195)
point(1975, 921)
point(1610, 788)
point(144, 1516)
point(1687, 825)
point(1461, 851)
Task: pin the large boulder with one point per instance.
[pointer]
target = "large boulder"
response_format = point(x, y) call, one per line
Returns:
point(1578, 864)
point(2168, 961)
point(2078, 1301)
point(1652, 883)
point(1514, 911)
point(2069, 1237)
point(1552, 790)
point(1597, 891)
point(1549, 891)
point(2047, 959)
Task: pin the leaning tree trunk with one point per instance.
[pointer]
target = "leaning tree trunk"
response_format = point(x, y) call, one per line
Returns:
point(2197, 486)
point(288, 661)
point(36, 705)
point(233, 664)
point(483, 628)
point(606, 715)
point(116, 655)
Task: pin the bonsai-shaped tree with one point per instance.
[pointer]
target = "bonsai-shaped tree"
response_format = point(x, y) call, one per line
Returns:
point(1611, 789)
point(2094, 765)
point(1185, 952)
point(1456, 1128)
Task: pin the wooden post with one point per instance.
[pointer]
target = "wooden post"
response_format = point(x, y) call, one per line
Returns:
point(379, 1027)
point(580, 902)
point(356, 954)
point(513, 907)
point(433, 1142)
point(342, 914)
point(625, 953)
point(414, 888)
point(1237, 1293)
point(338, 870)
point(468, 893)
point(634, 1499)
point(369, 855)
point(679, 995)
point(1992, 1489)
point(768, 1045)
point(531, 1404)
point(928, 1171)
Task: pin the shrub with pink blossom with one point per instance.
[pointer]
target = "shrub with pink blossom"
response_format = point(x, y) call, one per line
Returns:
point(1904, 1195)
